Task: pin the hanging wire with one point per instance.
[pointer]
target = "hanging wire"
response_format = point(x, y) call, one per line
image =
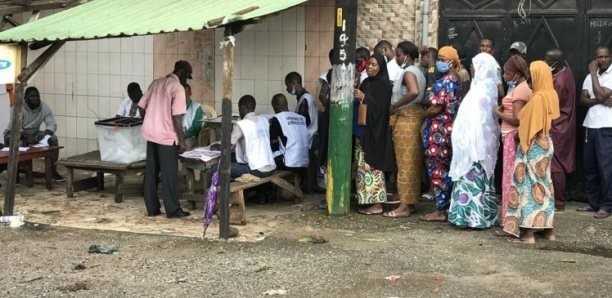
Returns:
point(523, 14)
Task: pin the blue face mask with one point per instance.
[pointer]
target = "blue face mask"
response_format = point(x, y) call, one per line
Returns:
point(442, 67)
point(511, 84)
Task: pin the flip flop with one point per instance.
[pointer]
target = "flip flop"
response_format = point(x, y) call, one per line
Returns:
point(601, 214)
point(519, 240)
point(393, 214)
point(366, 212)
point(424, 218)
point(586, 209)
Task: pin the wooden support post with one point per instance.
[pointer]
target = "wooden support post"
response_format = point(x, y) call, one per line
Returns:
point(228, 74)
point(15, 139)
point(16, 117)
point(341, 111)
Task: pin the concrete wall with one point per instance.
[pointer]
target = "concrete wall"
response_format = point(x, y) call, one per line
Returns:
point(265, 52)
point(86, 80)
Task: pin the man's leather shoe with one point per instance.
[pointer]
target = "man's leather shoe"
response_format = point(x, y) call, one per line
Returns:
point(152, 214)
point(178, 214)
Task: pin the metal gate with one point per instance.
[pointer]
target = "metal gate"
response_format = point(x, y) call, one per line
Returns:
point(575, 26)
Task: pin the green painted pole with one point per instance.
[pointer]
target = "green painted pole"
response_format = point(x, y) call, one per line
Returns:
point(341, 112)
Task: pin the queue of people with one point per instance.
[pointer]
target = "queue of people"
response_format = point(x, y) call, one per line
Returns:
point(460, 129)
point(425, 127)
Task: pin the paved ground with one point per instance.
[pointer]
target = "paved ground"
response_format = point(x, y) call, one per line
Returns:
point(431, 260)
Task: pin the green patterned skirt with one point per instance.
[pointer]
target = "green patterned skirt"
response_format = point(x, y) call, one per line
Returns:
point(370, 182)
point(474, 203)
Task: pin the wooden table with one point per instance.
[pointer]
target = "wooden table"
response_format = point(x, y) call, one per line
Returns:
point(26, 157)
point(193, 195)
point(91, 162)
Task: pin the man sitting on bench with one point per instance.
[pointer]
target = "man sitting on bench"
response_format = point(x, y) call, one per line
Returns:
point(288, 136)
point(251, 138)
point(35, 113)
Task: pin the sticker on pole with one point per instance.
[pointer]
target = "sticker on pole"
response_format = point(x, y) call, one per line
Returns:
point(8, 63)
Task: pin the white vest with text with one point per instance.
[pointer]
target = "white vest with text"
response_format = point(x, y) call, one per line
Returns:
point(295, 130)
point(257, 152)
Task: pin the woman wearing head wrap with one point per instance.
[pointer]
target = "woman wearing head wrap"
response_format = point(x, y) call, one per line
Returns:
point(531, 206)
point(475, 141)
point(516, 74)
point(444, 103)
point(374, 149)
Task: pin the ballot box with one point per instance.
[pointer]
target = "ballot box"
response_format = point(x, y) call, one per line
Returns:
point(120, 140)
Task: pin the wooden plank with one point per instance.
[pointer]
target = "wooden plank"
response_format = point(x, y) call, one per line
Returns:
point(284, 184)
point(16, 125)
point(91, 161)
point(32, 153)
point(235, 186)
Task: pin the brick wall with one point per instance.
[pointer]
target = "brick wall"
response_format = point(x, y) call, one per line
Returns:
point(394, 20)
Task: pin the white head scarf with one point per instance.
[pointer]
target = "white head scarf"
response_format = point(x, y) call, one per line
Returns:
point(475, 136)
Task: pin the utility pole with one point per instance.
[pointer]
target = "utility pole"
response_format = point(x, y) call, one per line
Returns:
point(341, 111)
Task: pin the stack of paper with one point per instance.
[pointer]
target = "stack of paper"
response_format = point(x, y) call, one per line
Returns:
point(21, 149)
point(202, 153)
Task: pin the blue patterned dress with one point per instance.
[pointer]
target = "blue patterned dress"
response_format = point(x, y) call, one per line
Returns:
point(437, 138)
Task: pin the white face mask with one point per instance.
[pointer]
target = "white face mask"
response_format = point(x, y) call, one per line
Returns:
point(293, 91)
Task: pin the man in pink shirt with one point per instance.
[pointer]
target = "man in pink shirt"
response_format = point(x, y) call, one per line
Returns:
point(162, 108)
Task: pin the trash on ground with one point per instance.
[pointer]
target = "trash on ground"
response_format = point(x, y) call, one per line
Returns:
point(103, 249)
point(313, 240)
point(279, 292)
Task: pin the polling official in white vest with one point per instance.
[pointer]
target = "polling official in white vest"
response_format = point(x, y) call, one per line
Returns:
point(288, 136)
point(251, 139)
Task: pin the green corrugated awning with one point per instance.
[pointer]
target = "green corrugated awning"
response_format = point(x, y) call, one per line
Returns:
point(114, 18)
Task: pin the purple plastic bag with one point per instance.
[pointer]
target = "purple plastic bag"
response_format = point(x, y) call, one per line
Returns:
point(210, 200)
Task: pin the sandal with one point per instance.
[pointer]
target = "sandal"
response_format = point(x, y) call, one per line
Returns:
point(367, 211)
point(393, 214)
point(586, 209)
point(428, 218)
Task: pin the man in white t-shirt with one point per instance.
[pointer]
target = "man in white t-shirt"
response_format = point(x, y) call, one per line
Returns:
point(129, 106)
point(597, 158)
point(251, 138)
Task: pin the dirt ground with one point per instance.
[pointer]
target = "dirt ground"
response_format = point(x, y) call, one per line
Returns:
point(361, 256)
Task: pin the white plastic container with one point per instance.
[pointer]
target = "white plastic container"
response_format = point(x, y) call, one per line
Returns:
point(120, 140)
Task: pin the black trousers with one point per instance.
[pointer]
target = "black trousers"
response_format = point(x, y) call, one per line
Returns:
point(161, 158)
point(598, 168)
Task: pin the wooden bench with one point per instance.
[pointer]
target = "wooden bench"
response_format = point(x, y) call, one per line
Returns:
point(25, 162)
point(91, 162)
point(278, 178)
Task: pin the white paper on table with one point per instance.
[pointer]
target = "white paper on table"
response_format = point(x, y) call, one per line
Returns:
point(21, 149)
point(202, 153)
point(45, 141)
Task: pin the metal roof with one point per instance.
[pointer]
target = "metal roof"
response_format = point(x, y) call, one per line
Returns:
point(114, 18)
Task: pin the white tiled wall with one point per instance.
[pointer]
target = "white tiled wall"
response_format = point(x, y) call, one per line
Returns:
point(86, 80)
point(264, 54)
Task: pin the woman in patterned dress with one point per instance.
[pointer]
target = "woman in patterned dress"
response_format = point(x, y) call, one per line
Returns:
point(374, 149)
point(475, 141)
point(531, 206)
point(516, 73)
point(440, 115)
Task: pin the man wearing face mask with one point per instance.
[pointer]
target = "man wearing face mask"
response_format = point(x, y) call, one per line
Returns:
point(35, 113)
point(163, 107)
point(563, 131)
point(362, 55)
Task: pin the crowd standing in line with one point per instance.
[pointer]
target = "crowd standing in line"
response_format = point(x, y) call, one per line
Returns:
point(425, 126)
